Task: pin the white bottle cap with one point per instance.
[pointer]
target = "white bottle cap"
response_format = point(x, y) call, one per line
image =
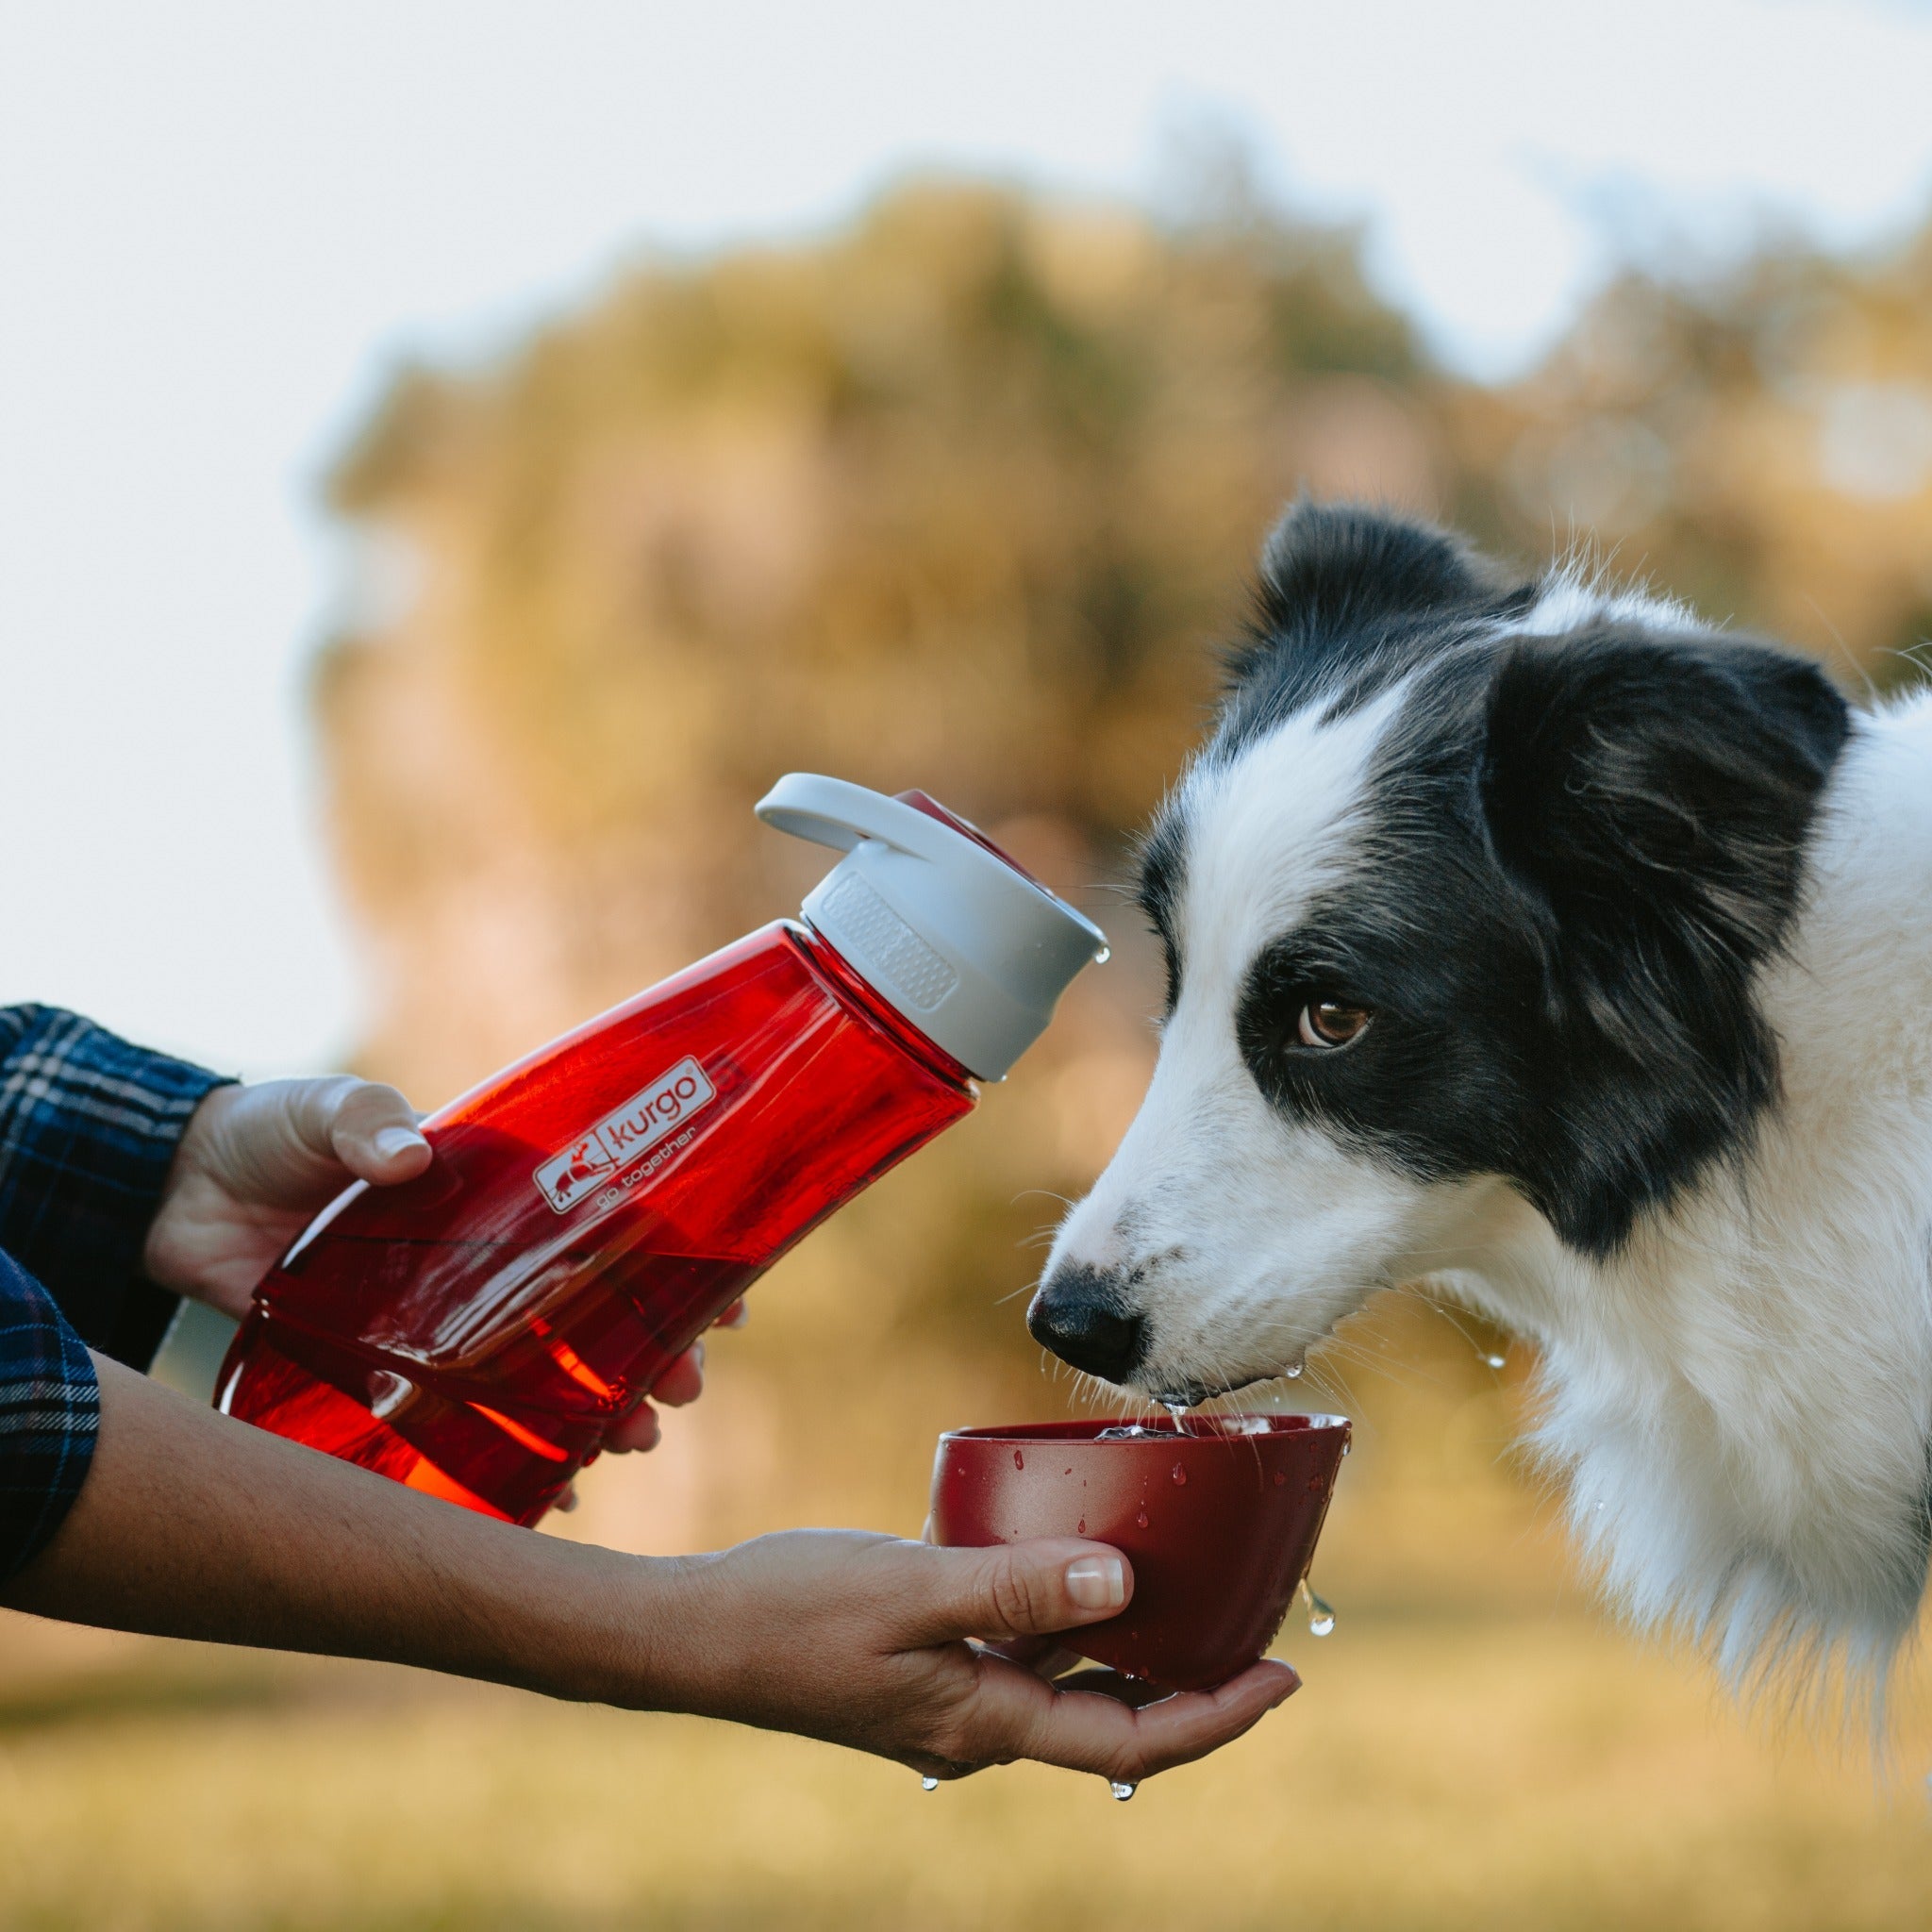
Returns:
point(934, 916)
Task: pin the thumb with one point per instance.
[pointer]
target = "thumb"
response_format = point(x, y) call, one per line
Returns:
point(1027, 1588)
point(369, 1127)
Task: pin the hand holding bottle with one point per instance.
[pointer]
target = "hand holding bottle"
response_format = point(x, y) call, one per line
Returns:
point(257, 1163)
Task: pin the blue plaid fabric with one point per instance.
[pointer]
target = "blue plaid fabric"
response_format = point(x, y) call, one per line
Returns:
point(88, 1130)
point(50, 1413)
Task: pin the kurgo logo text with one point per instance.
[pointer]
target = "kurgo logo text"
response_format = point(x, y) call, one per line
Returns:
point(649, 1126)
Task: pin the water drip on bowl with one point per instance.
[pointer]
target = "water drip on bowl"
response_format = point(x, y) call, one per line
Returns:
point(1180, 1475)
point(1019, 1459)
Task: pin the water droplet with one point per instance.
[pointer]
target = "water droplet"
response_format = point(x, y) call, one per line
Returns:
point(1280, 1478)
point(1346, 1447)
point(1180, 1475)
point(928, 1784)
point(1496, 1361)
point(1293, 1369)
point(1068, 1471)
point(1122, 1792)
point(1019, 1459)
point(1082, 1529)
point(1316, 1485)
point(1105, 954)
point(1320, 1615)
point(1140, 1518)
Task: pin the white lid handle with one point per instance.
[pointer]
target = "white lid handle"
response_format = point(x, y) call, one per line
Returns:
point(971, 949)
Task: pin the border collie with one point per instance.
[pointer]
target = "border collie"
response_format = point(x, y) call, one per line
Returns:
point(1534, 939)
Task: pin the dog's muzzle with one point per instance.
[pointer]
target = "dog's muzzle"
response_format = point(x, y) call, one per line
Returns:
point(1082, 1315)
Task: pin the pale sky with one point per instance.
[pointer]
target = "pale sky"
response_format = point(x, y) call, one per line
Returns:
point(221, 224)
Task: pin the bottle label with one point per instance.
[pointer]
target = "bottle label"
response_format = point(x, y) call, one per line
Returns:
point(632, 1142)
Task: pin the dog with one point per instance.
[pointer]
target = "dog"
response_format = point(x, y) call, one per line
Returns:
point(1534, 939)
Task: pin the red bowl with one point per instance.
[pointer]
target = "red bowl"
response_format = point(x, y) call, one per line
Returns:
point(1219, 1518)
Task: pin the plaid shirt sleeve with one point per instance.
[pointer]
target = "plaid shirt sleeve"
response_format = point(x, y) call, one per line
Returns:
point(50, 1409)
point(88, 1130)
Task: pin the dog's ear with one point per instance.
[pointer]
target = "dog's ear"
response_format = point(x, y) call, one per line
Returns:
point(1347, 569)
point(1652, 795)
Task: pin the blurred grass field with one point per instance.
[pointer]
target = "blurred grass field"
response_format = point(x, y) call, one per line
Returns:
point(1442, 1772)
point(1475, 1745)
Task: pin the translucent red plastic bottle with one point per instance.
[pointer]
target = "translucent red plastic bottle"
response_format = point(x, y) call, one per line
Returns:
point(590, 1211)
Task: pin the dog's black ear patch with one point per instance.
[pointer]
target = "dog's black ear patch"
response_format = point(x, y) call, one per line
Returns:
point(1342, 567)
point(1650, 798)
point(1349, 599)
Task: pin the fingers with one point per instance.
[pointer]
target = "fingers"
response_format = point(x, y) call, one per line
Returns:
point(1019, 1589)
point(641, 1429)
point(736, 1316)
point(683, 1381)
point(1017, 1715)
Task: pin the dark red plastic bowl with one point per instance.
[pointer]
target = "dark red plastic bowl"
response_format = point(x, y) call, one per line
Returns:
point(1219, 1520)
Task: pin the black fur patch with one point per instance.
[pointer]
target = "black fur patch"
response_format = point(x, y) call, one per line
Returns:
point(1579, 851)
point(1349, 600)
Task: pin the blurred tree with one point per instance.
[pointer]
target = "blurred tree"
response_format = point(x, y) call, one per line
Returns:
point(964, 496)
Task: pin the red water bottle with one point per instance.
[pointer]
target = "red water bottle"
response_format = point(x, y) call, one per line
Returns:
point(590, 1211)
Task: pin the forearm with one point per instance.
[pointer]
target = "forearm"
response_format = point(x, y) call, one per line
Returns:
point(190, 1524)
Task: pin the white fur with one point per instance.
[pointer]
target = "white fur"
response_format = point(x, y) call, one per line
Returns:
point(1742, 1396)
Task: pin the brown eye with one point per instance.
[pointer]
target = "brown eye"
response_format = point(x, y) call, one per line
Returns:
point(1331, 1023)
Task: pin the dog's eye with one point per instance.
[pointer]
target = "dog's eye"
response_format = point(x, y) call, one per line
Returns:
point(1326, 1024)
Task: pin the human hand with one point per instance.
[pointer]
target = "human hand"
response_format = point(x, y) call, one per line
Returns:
point(256, 1164)
point(861, 1640)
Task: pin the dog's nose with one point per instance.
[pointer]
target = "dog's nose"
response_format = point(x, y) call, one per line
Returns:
point(1079, 1314)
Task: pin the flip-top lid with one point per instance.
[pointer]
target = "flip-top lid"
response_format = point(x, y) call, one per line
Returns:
point(968, 946)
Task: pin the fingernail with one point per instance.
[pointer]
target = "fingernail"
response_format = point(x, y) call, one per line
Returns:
point(1097, 1583)
point(394, 1141)
point(1288, 1688)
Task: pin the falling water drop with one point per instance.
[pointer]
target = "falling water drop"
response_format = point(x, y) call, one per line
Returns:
point(1105, 954)
point(928, 1784)
point(1120, 1790)
point(1320, 1615)
point(1180, 1475)
point(1019, 1459)
point(1293, 1369)
point(1496, 1361)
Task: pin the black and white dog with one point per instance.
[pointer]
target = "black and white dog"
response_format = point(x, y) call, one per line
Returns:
point(1535, 940)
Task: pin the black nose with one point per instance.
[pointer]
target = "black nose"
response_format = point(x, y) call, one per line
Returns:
point(1081, 1315)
